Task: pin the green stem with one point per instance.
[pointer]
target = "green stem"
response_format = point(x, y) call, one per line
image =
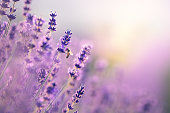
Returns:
point(28, 82)
point(46, 78)
point(8, 61)
point(44, 82)
point(62, 105)
point(7, 29)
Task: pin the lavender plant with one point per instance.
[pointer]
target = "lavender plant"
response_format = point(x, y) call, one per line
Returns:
point(30, 46)
point(35, 76)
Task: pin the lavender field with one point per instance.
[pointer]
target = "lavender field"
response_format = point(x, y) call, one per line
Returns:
point(93, 56)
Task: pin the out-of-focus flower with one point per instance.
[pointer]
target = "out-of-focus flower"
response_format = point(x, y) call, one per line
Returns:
point(80, 61)
point(38, 24)
point(16, 0)
point(11, 17)
point(12, 32)
point(2, 28)
point(26, 8)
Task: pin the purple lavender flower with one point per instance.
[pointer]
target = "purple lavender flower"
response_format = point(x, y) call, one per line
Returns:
point(12, 10)
point(147, 107)
point(82, 58)
point(6, 0)
point(16, 0)
point(65, 40)
point(70, 106)
point(38, 24)
point(52, 22)
point(75, 99)
point(28, 1)
point(45, 46)
point(12, 32)
point(11, 17)
point(2, 12)
point(30, 18)
point(42, 75)
point(4, 5)
point(26, 8)
point(31, 46)
point(27, 49)
point(2, 28)
point(78, 94)
point(50, 89)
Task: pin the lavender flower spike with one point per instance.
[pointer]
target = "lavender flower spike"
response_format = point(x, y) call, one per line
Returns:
point(75, 99)
point(52, 22)
point(38, 25)
point(65, 40)
point(80, 61)
point(26, 8)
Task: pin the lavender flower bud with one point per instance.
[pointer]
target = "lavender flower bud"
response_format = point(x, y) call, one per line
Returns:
point(41, 76)
point(12, 32)
point(45, 46)
point(38, 24)
point(26, 8)
point(28, 1)
point(11, 17)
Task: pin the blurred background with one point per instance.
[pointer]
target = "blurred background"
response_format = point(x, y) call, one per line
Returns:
point(130, 37)
point(122, 30)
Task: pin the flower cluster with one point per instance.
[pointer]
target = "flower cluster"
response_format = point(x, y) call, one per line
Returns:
point(52, 22)
point(34, 77)
point(50, 88)
point(12, 32)
point(45, 44)
point(65, 40)
point(26, 8)
point(38, 24)
point(42, 75)
point(5, 6)
point(75, 99)
point(8, 11)
point(29, 18)
point(80, 61)
point(78, 94)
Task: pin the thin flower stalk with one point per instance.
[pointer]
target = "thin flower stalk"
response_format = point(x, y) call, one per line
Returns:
point(8, 61)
